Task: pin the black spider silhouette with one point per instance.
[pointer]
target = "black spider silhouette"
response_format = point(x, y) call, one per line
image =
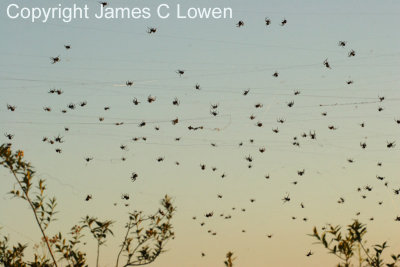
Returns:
point(129, 83)
point(67, 47)
point(352, 53)
point(245, 92)
point(12, 108)
point(326, 64)
point(267, 21)
point(240, 24)
point(283, 22)
point(151, 30)
point(55, 59)
point(180, 72)
point(342, 43)
point(134, 176)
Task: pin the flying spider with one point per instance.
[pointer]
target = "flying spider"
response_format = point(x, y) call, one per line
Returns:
point(290, 104)
point(252, 117)
point(380, 177)
point(48, 109)
point(258, 105)
point(58, 139)
point(223, 175)
point(240, 24)
point(284, 21)
point(259, 124)
point(381, 98)
point(88, 159)
point(12, 108)
point(350, 160)
point(180, 72)
point(363, 145)
point(129, 83)
point(296, 92)
point(261, 149)
point(143, 123)
point(313, 135)
point(123, 147)
point(276, 74)
point(286, 198)
point(151, 30)
point(64, 111)
point(380, 109)
point(71, 106)
point(88, 197)
point(352, 53)
point(175, 121)
point(197, 86)
point(362, 124)
point(301, 173)
point(331, 127)
point(176, 102)
point(159, 159)
point(203, 166)
point(390, 144)
point(55, 59)
point(280, 120)
point(9, 136)
point(213, 112)
point(267, 21)
point(67, 47)
point(310, 253)
point(125, 196)
point(249, 158)
point(210, 214)
point(276, 130)
point(83, 103)
point(326, 64)
point(58, 150)
point(245, 92)
point(134, 176)
point(151, 99)
point(342, 43)
point(349, 82)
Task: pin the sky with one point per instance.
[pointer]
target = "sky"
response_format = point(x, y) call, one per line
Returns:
point(224, 60)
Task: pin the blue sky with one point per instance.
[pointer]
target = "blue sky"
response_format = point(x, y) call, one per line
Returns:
point(224, 60)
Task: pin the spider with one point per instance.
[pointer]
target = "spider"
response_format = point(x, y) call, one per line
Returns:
point(107, 108)
point(48, 109)
point(391, 144)
point(214, 106)
point(276, 74)
point(143, 123)
point(129, 83)
point(296, 92)
point(276, 130)
point(58, 139)
point(151, 30)
point(324, 114)
point(290, 104)
point(88, 159)
point(213, 169)
point(240, 24)
point(9, 136)
point(381, 98)
point(342, 43)
point(67, 47)
point(178, 139)
point(59, 92)
point(352, 53)
point(12, 108)
point(252, 200)
point(210, 214)
point(151, 99)
point(83, 103)
point(331, 127)
point(55, 59)
point(261, 149)
point(134, 176)
point(301, 173)
point(175, 121)
point(157, 128)
point(101, 119)
point(380, 109)
point(252, 117)
point(284, 21)
point(258, 105)
point(52, 91)
point(123, 147)
point(310, 253)
point(304, 135)
point(125, 196)
point(58, 150)
point(71, 106)
point(135, 101)
point(280, 120)
point(213, 112)
point(203, 166)
point(64, 111)
point(326, 64)
point(159, 159)
point(197, 86)
point(350, 160)
point(88, 197)
point(249, 158)
point(259, 124)
point(245, 92)
point(350, 82)
point(363, 145)
point(180, 72)
point(286, 198)
point(176, 102)
point(362, 124)
point(267, 21)
point(103, 3)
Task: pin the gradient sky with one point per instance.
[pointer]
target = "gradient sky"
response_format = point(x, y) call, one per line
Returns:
point(224, 60)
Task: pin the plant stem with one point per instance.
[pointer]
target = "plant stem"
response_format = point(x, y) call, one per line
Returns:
point(37, 219)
